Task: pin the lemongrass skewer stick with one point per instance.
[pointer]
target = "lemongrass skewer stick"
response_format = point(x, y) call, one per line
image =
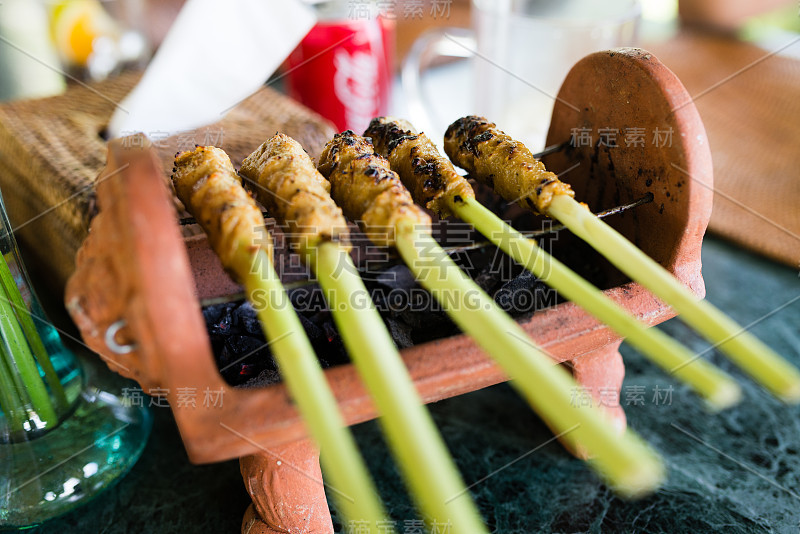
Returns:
point(625, 461)
point(753, 356)
point(232, 221)
point(491, 156)
point(353, 490)
point(423, 458)
point(718, 388)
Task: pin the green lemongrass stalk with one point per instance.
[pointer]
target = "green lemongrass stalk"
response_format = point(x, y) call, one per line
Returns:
point(625, 461)
point(422, 456)
point(32, 335)
point(353, 490)
point(754, 357)
point(12, 405)
point(19, 356)
point(717, 388)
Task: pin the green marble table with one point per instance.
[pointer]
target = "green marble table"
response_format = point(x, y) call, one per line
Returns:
point(738, 471)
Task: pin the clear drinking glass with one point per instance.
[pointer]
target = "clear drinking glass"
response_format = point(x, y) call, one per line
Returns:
point(97, 38)
point(521, 52)
point(65, 435)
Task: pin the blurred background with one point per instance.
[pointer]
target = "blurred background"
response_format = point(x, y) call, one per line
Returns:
point(94, 39)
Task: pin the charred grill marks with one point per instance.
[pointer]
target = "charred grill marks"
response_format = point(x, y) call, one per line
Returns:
point(507, 166)
point(429, 176)
point(290, 186)
point(208, 186)
point(367, 189)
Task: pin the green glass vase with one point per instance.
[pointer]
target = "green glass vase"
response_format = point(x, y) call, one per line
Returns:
point(66, 433)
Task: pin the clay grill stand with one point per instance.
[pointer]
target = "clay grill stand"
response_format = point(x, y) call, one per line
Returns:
point(135, 275)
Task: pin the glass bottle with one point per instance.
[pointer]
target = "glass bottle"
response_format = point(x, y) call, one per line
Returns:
point(65, 434)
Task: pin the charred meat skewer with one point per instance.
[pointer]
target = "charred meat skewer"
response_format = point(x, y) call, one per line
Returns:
point(210, 189)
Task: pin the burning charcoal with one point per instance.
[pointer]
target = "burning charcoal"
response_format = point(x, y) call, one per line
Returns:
point(243, 357)
point(319, 318)
point(244, 371)
point(223, 324)
point(245, 319)
point(401, 333)
point(331, 352)
point(240, 346)
point(213, 313)
point(331, 334)
point(314, 332)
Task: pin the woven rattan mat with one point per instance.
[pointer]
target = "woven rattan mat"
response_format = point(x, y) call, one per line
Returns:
point(749, 101)
point(51, 151)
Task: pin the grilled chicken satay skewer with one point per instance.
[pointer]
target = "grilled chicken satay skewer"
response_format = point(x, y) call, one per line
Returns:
point(209, 187)
point(286, 181)
point(494, 158)
point(369, 191)
point(435, 183)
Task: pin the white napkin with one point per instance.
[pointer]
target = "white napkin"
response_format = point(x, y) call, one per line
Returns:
point(216, 54)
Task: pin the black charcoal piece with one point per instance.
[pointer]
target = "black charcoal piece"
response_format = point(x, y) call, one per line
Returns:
point(239, 348)
point(243, 357)
point(401, 333)
point(308, 299)
point(524, 294)
point(246, 319)
point(223, 322)
point(487, 280)
point(524, 280)
point(213, 313)
point(396, 277)
point(314, 332)
point(244, 345)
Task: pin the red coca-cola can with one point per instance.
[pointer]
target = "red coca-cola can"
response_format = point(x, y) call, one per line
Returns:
point(343, 68)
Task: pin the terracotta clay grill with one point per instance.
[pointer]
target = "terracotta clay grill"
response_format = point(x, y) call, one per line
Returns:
point(136, 292)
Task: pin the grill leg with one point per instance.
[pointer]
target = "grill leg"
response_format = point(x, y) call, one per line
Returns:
point(285, 484)
point(601, 372)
